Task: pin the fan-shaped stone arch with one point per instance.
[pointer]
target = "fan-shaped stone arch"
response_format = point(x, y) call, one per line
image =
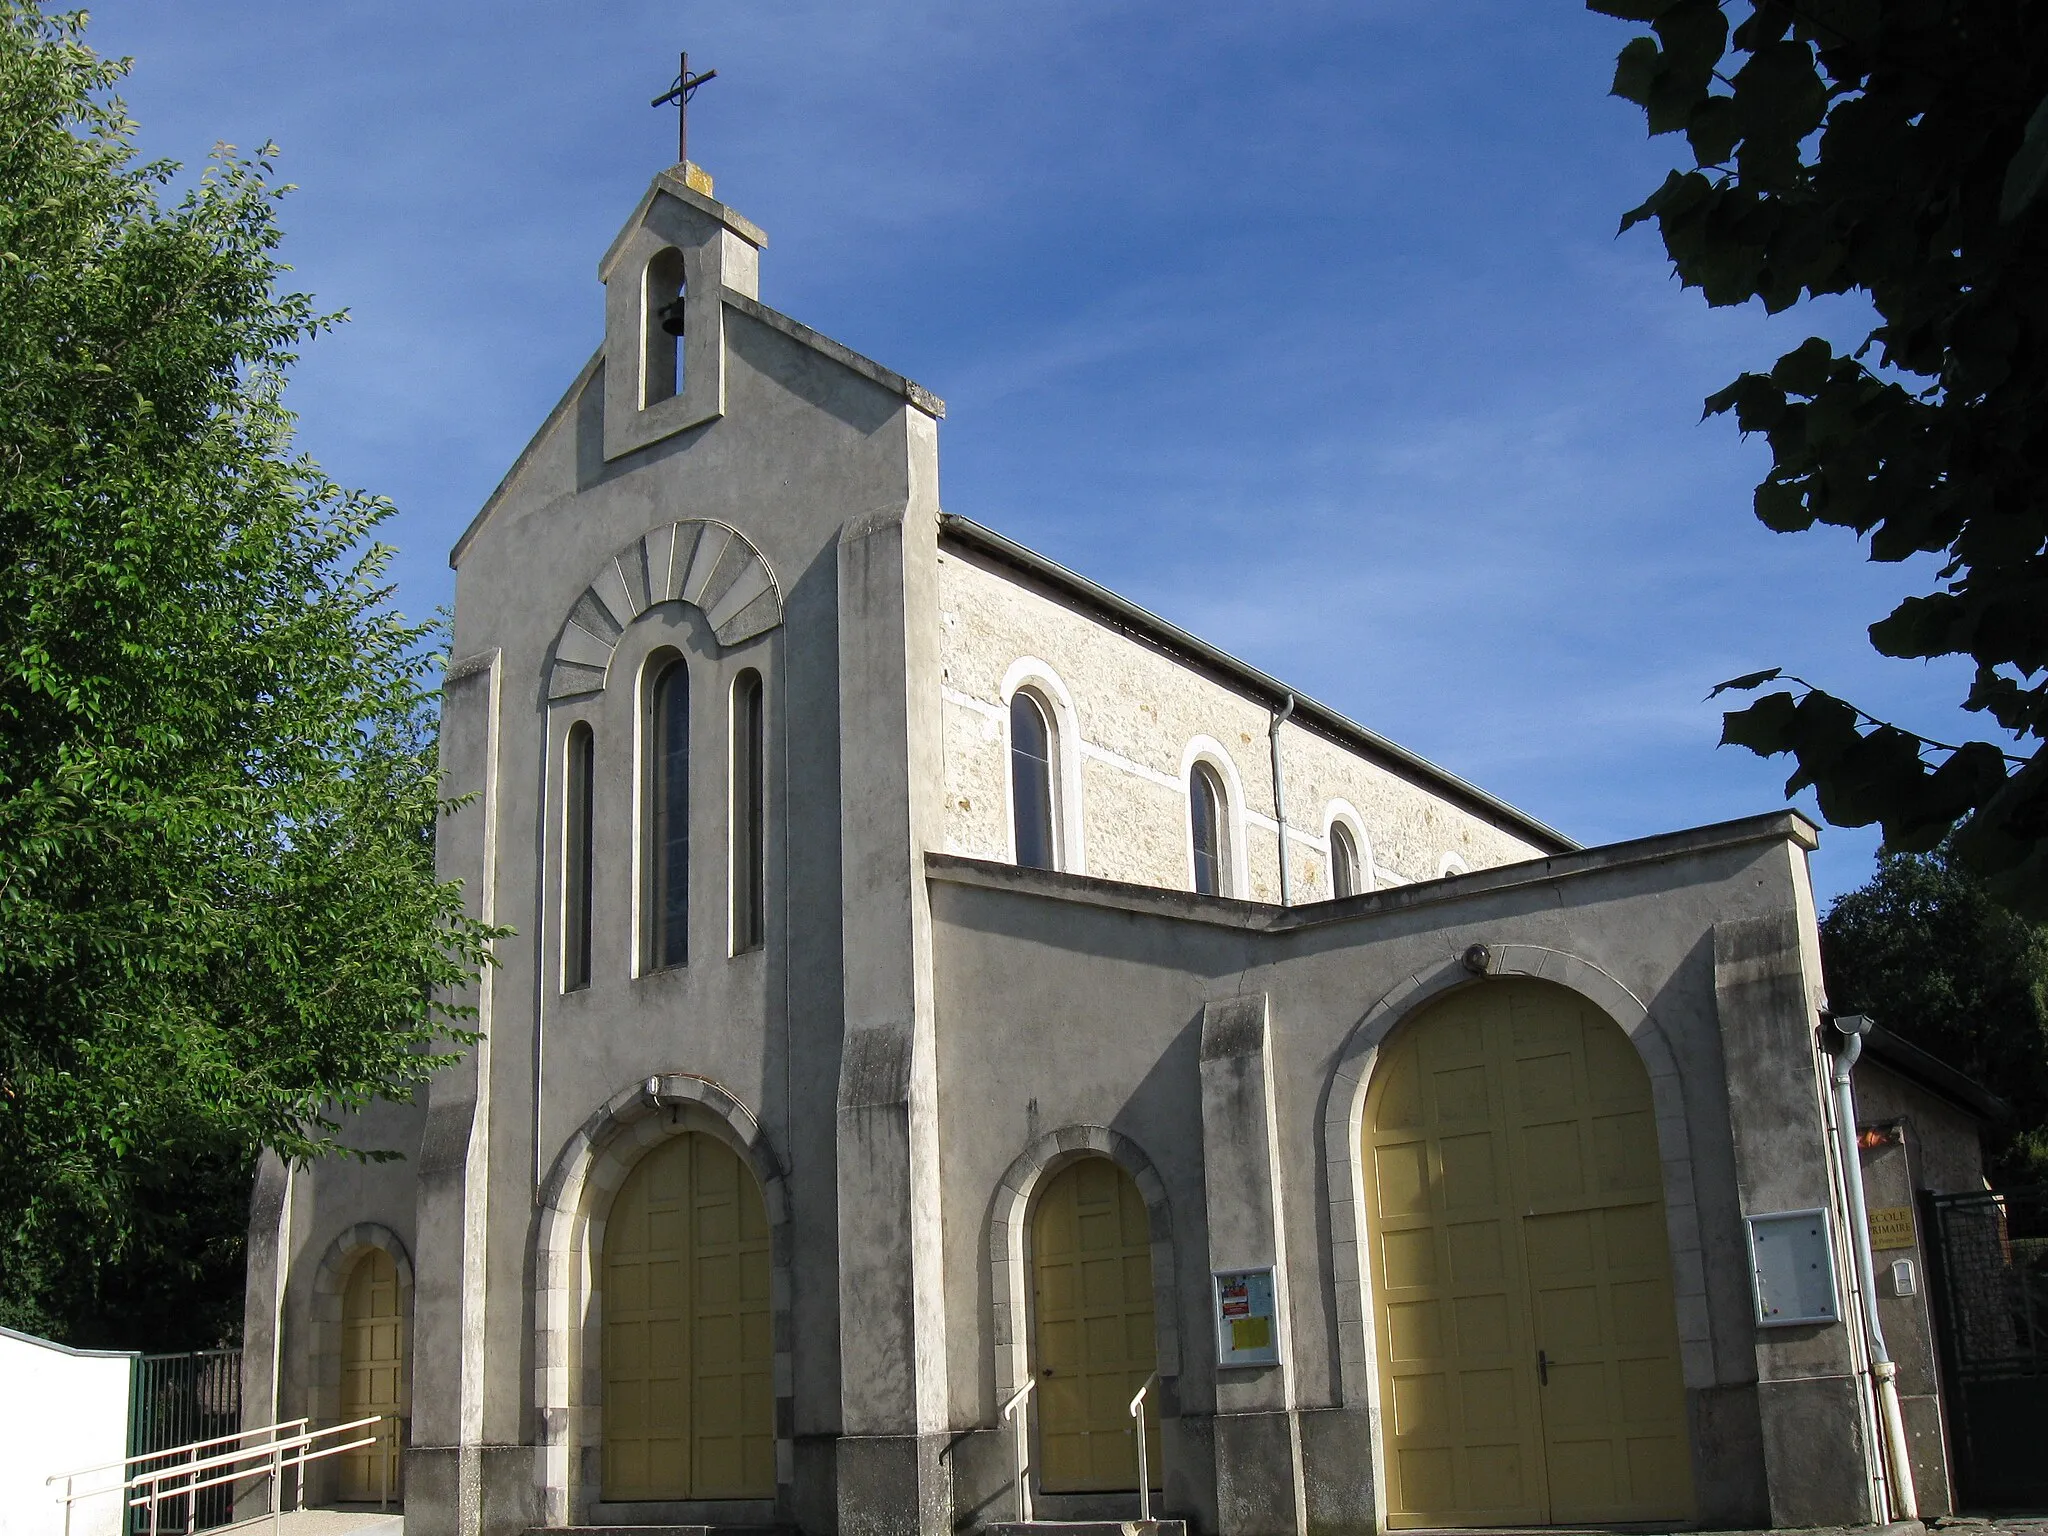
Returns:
point(708, 564)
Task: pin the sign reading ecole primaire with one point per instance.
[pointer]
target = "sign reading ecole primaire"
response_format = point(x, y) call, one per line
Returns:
point(1246, 1330)
point(1891, 1226)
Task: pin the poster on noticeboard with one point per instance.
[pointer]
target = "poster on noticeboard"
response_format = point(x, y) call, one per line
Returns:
point(1247, 1327)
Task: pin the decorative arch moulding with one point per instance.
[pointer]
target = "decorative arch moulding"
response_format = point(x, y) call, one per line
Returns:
point(708, 564)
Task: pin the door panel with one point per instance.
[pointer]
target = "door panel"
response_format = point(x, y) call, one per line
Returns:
point(1455, 1362)
point(689, 1409)
point(372, 1376)
point(1091, 1251)
point(1527, 1339)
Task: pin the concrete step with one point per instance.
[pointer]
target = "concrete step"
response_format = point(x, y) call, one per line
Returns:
point(660, 1530)
point(318, 1522)
point(1088, 1528)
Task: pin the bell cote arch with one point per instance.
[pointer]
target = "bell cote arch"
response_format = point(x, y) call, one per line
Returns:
point(700, 251)
point(710, 565)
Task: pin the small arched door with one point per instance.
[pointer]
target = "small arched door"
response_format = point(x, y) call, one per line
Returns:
point(373, 1369)
point(689, 1398)
point(1091, 1260)
point(1527, 1338)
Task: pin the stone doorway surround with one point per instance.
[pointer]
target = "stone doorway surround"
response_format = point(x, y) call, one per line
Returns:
point(569, 1240)
point(1356, 1368)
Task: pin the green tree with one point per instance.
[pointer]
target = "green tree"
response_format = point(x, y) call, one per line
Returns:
point(1925, 951)
point(219, 923)
point(1897, 149)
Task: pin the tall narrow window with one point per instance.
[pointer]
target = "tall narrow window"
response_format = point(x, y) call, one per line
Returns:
point(668, 816)
point(1208, 812)
point(661, 376)
point(1031, 781)
point(1344, 878)
point(749, 817)
point(578, 805)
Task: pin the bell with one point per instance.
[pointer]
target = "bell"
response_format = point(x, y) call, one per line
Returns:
point(672, 316)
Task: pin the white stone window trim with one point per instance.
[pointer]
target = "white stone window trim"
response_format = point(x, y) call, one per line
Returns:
point(562, 719)
point(1131, 766)
point(1028, 674)
point(1452, 864)
point(993, 713)
point(657, 658)
point(1207, 749)
point(1342, 813)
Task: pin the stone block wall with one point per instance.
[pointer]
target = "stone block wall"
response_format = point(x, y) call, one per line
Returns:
point(1131, 717)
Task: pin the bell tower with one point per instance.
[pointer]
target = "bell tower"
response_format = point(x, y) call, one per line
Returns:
point(665, 280)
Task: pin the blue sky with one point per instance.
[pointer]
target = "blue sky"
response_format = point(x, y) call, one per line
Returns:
point(1304, 325)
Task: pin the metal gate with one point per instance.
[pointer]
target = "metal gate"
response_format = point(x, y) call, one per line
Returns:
point(175, 1400)
point(1993, 1258)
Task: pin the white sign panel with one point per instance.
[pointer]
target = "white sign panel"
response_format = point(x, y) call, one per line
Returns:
point(1792, 1267)
point(1247, 1327)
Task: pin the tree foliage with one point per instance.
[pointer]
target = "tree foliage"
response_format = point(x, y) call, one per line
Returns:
point(219, 924)
point(1897, 149)
point(1925, 951)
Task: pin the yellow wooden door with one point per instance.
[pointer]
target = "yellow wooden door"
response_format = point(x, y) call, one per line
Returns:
point(1615, 1441)
point(689, 1400)
point(372, 1377)
point(1458, 1407)
point(1528, 1351)
point(1091, 1253)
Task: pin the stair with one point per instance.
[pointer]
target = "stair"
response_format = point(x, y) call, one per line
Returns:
point(660, 1530)
point(1088, 1528)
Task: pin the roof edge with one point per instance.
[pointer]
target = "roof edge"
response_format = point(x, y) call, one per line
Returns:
point(476, 524)
point(1261, 917)
point(668, 181)
point(1929, 1071)
point(915, 393)
point(1172, 637)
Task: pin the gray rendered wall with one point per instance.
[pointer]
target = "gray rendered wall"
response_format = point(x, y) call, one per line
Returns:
point(1937, 1150)
point(1065, 1002)
point(807, 443)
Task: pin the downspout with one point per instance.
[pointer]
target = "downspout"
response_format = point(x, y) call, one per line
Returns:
point(1851, 1028)
point(1280, 793)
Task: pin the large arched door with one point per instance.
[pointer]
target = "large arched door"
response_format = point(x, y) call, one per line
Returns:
point(689, 1404)
point(373, 1366)
point(1527, 1340)
point(1091, 1259)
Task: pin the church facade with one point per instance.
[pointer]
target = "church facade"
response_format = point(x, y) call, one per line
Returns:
point(971, 1052)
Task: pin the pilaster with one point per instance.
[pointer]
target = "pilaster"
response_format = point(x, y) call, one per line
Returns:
point(891, 1477)
point(1259, 1485)
point(1811, 1406)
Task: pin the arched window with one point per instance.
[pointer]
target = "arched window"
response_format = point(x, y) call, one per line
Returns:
point(578, 797)
point(1345, 875)
point(1208, 815)
point(749, 817)
point(661, 375)
point(1033, 769)
point(668, 816)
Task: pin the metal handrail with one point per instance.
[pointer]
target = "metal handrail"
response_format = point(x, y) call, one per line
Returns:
point(1023, 1450)
point(176, 1450)
point(148, 1490)
point(1144, 1481)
